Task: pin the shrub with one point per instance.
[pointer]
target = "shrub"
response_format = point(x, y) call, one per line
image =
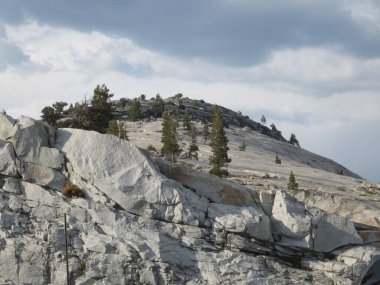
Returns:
point(277, 160)
point(71, 190)
point(219, 172)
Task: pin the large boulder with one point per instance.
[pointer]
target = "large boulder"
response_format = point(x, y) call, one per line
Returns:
point(248, 221)
point(31, 143)
point(310, 228)
point(42, 175)
point(291, 220)
point(7, 159)
point(6, 125)
point(119, 170)
point(210, 186)
point(331, 231)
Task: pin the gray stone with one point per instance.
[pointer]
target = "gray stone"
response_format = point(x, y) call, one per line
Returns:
point(370, 236)
point(6, 125)
point(12, 185)
point(204, 184)
point(31, 143)
point(246, 220)
point(266, 200)
point(128, 178)
point(42, 175)
point(290, 217)
point(36, 193)
point(331, 231)
point(7, 220)
point(7, 159)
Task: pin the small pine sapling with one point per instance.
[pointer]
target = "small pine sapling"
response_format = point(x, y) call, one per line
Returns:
point(292, 184)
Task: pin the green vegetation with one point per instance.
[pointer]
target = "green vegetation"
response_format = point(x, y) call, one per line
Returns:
point(134, 111)
point(186, 122)
point(292, 184)
point(293, 140)
point(101, 109)
point(52, 114)
point(263, 120)
point(94, 115)
point(277, 160)
point(170, 135)
point(158, 106)
point(206, 132)
point(117, 128)
point(218, 144)
point(193, 147)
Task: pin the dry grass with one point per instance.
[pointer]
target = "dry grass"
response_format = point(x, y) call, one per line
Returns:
point(71, 190)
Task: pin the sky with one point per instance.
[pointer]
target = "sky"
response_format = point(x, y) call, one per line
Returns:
point(312, 67)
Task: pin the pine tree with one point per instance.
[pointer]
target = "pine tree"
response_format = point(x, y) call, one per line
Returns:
point(218, 144)
point(134, 111)
point(117, 129)
point(193, 147)
point(81, 115)
point(101, 109)
point(263, 120)
point(170, 135)
point(206, 132)
point(158, 106)
point(123, 131)
point(52, 114)
point(292, 184)
point(186, 122)
point(113, 128)
point(293, 140)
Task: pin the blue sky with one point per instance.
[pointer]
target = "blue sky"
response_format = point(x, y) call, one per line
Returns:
point(311, 67)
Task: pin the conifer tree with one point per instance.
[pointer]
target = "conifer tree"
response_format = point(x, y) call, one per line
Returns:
point(218, 144)
point(101, 109)
point(170, 135)
point(263, 120)
point(123, 131)
point(117, 128)
point(113, 128)
point(186, 122)
point(134, 111)
point(158, 106)
point(292, 184)
point(206, 132)
point(193, 147)
point(293, 140)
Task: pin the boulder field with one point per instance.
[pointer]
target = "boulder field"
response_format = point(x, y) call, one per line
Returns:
point(143, 221)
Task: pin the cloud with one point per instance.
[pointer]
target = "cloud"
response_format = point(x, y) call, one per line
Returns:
point(10, 54)
point(239, 33)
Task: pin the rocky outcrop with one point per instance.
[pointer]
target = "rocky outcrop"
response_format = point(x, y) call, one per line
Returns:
point(196, 110)
point(136, 226)
point(209, 186)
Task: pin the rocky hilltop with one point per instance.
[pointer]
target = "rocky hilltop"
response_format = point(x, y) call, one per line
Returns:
point(135, 225)
point(198, 110)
